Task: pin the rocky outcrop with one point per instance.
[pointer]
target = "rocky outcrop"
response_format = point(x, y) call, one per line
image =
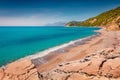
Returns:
point(114, 25)
point(102, 65)
point(19, 70)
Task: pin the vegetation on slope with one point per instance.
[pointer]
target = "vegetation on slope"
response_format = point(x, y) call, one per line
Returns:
point(107, 18)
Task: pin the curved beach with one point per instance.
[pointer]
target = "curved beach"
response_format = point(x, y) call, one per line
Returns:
point(97, 52)
point(59, 40)
point(62, 48)
point(15, 40)
point(100, 42)
point(38, 58)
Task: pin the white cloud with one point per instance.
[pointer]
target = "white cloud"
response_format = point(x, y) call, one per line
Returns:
point(19, 21)
point(33, 20)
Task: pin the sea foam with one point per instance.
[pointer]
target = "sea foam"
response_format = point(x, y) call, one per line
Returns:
point(61, 47)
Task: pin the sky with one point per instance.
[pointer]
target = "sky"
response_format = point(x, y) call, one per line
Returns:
point(42, 12)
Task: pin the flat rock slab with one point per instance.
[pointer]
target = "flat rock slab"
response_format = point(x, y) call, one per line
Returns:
point(102, 65)
point(19, 70)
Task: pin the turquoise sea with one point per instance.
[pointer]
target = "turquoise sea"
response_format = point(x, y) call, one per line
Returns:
point(18, 42)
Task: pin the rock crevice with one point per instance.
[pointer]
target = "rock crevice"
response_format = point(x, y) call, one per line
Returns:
point(102, 65)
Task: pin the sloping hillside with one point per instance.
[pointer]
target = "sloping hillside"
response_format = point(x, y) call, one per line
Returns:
point(109, 19)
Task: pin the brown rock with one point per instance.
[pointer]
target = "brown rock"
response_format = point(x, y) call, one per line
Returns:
point(77, 76)
point(75, 66)
point(111, 68)
point(103, 65)
point(18, 67)
point(20, 70)
point(94, 67)
point(113, 26)
point(100, 78)
point(1, 73)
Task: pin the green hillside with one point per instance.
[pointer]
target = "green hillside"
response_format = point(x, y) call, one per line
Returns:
point(108, 19)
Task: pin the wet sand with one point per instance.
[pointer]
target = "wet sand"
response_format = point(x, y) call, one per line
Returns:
point(104, 40)
point(96, 58)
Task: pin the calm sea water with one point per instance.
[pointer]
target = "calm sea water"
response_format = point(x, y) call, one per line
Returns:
point(18, 42)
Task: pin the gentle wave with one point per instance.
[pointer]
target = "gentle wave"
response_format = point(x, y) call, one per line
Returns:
point(60, 47)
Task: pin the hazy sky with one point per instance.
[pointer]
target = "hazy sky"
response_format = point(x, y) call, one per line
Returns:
point(41, 12)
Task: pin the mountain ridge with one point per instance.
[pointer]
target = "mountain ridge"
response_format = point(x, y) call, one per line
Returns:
point(109, 20)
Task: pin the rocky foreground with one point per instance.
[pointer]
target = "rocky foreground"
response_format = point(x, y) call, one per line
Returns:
point(103, 65)
point(19, 70)
point(97, 59)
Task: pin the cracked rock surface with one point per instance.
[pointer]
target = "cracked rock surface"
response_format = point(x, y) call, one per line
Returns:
point(19, 70)
point(102, 65)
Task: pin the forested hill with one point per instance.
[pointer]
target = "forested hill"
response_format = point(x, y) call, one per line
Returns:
point(109, 20)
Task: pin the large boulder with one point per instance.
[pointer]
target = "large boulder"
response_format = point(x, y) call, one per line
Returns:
point(19, 70)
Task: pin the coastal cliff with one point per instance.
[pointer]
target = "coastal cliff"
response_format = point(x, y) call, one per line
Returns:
point(109, 20)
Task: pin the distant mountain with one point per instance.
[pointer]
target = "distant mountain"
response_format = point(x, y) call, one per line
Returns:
point(56, 24)
point(109, 20)
point(73, 23)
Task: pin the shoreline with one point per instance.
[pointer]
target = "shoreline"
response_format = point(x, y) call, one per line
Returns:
point(57, 49)
point(97, 59)
point(92, 45)
point(39, 56)
point(98, 54)
point(62, 47)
